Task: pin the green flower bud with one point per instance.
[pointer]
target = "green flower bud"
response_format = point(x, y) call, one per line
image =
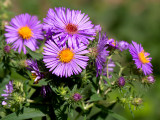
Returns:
point(137, 101)
point(23, 63)
point(18, 85)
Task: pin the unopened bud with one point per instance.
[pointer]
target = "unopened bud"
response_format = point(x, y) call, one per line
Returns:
point(137, 101)
point(121, 81)
point(77, 97)
point(7, 48)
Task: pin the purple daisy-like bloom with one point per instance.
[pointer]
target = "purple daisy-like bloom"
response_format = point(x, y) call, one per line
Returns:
point(123, 45)
point(102, 53)
point(141, 58)
point(8, 91)
point(33, 67)
point(24, 30)
point(64, 61)
point(69, 25)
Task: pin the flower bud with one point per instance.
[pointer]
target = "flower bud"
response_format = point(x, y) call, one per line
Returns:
point(18, 85)
point(4, 23)
point(137, 101)
point(150, 79)
point(121, 81)
point(23, 63)
point(93, 52)
point(7, 48)
point(123, 45)
point(77, 97)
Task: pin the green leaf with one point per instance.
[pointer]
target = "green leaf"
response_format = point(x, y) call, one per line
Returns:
point(27, 113)
point(35, 55)
point(116, 116)
point(95, 97)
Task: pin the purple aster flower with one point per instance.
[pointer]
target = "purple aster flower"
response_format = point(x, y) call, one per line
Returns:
point(141, 58)
point(150, 79)
point(7, 48)
point(69, 25)
point(77, 97)
point(8, 91)
point(112, 43)
point(102, 53)
point(64, 61)
point(33, 67)
point(121, 81)
point(123, 45)
point(48, 34)
point(111, 66)
point(24, 30)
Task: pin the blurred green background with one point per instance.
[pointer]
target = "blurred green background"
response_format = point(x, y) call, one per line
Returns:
point(137, 20)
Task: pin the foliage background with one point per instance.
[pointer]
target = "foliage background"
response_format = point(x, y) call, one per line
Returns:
point(137, 20)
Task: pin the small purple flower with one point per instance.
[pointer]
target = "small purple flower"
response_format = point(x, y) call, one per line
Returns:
point(4, 103)
point(102, 53)
point(112, 43)
point(70, 26)
point(7, 48)
point(8, 91)
point(77, 97)
point(123, 45)
point(150, 79)
point(24, 31)
point(33, 67)
point(121, 81)
point(64, 61)
point(141, 58)
point(45, 89)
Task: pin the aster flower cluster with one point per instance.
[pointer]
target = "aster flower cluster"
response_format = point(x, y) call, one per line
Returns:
point(78, 66)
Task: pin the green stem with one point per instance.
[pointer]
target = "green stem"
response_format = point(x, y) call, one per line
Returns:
point(30, 101)
point(86, 107)
point(107, 65)
point(120, 72)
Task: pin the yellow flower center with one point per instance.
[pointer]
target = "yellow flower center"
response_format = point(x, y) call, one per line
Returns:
point(114, 43)
point(25, 32)
point(66, 55)
point(142, 57)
